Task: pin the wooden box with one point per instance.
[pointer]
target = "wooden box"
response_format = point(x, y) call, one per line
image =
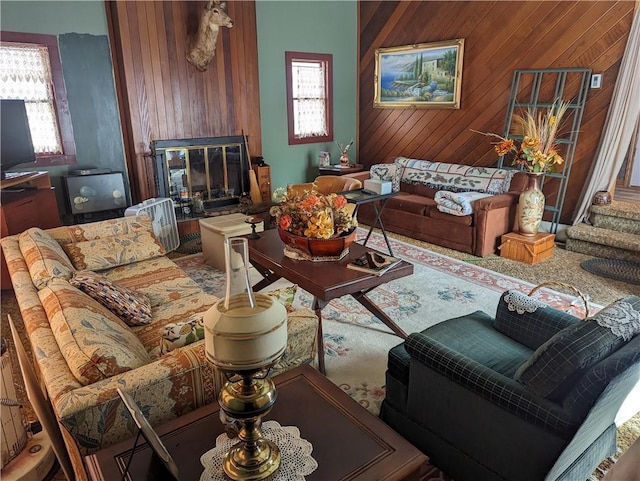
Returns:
point(529, 249)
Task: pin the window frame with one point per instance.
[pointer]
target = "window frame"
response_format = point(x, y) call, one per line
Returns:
point(68, 156)
point(327, 60)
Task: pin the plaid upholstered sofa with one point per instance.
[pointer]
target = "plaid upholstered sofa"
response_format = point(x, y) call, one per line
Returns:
point(529, 395)
point(84, 350)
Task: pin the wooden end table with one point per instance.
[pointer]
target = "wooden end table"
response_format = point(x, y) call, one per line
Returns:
point(323, 280)
point(348, 441)
point(338, 170)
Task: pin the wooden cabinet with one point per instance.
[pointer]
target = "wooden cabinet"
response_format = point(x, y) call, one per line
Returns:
point(263, 175)
point(27, 201)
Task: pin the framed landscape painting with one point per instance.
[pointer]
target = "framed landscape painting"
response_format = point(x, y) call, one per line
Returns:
point(427, 75)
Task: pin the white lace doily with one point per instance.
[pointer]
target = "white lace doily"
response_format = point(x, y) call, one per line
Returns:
point(521, 303)
point(621, 318)
point(296, 461)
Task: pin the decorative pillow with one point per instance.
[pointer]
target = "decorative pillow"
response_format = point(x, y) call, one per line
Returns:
point(94, 342)
point(98, 254)
point(45, 258)
point(285, 295)
point(131, 306)
point(388, 172)
point(580, 346)
point(107, 228)
point(179, 334)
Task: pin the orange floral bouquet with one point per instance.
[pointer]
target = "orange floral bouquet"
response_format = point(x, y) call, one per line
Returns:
point(312, 214)
point(537, 152)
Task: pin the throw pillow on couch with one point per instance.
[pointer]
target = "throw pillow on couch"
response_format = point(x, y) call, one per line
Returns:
point(180, 334)
point(95, 343)
point(131, 306)
point(580, 346)
point(114, 251)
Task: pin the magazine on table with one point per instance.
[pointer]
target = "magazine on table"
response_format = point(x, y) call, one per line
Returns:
point(374, 263)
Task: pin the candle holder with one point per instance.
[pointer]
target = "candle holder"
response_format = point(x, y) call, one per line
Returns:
point(253, 221)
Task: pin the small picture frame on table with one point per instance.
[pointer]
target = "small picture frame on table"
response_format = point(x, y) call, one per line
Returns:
point(152, 438)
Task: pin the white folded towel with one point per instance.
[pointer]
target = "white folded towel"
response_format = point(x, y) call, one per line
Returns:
point(457, 203)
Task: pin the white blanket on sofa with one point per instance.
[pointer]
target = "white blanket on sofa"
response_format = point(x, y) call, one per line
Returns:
point(457, 203)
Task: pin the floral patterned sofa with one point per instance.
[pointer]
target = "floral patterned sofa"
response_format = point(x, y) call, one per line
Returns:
point(64, 279)
point(461, 207)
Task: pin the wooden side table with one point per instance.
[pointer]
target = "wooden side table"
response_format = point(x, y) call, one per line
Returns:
point(348, 441)
point(28, 200)
point(337, 170)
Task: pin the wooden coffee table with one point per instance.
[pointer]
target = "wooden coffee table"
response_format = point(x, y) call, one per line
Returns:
point(348, 441)
point(323, 280)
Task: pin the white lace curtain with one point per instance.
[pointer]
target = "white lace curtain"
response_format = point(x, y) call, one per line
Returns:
point(309, 99)
point(25, 74)
point(621, 121)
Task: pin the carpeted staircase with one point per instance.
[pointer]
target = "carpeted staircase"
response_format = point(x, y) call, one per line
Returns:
point(614, 233)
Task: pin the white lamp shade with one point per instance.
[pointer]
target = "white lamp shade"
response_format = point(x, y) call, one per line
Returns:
point(242, 338)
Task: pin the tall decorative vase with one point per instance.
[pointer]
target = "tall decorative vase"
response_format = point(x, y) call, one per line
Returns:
point(531, 206)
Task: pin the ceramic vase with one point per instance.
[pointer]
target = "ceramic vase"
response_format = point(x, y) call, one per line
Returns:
point(531, 206)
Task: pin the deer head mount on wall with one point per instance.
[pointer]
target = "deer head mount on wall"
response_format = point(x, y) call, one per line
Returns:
point(202, 47)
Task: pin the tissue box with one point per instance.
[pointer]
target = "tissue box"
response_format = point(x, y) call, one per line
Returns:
point(378, 186)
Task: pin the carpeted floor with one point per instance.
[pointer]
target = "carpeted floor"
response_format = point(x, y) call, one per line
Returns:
point(563, 267)
point(356, 345)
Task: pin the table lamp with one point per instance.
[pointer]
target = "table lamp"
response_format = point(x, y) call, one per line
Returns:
point(245, 334)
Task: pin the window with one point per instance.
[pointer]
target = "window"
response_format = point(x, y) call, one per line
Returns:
point(31, 70)
point(309, 97)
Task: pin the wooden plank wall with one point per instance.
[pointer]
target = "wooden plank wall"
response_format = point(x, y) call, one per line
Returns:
point(500, 37)
point(162, 96)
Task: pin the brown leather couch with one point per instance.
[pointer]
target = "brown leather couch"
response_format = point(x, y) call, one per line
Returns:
point(413, 212)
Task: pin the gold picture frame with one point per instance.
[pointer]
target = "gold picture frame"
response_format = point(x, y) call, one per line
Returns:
point(423, 76)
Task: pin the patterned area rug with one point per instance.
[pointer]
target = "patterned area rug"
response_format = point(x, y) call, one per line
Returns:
point(441, 287)
point(618, 270)
point(190, 244)
point(357, 343)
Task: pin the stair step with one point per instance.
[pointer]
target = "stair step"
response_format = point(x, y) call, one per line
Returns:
point(618, 208)
point(619, 224)
point(600, 242)
point(620, 216)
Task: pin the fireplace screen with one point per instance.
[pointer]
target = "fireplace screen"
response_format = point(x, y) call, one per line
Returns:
point(201, 174)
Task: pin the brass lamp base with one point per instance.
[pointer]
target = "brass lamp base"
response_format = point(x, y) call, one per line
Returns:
point(252, 464)
point(246, 401)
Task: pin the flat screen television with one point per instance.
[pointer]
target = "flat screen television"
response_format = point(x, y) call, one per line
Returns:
point(16, 146)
